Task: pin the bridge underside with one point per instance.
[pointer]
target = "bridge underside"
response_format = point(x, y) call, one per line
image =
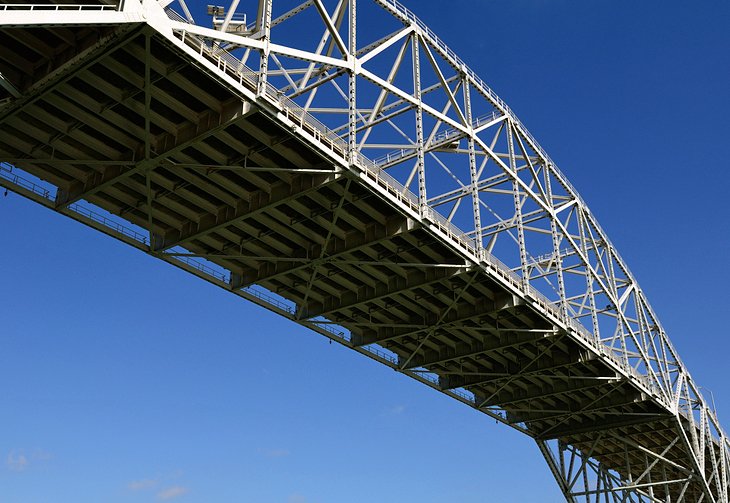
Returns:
point(121, 118)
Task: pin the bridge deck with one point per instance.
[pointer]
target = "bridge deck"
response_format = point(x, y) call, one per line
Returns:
point(212, 173)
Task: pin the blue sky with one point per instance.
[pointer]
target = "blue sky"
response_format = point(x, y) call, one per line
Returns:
point(126, 380)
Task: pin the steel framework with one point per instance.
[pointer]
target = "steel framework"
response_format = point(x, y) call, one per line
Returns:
point(367, 184)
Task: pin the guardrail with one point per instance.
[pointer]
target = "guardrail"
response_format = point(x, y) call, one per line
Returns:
point(7, 172)
point(201, 267)
point(109, 223)
point(269, 299)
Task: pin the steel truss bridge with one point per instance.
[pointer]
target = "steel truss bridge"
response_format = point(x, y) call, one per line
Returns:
point(359, 179)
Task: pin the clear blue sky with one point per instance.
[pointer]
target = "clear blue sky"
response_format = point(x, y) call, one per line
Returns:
point(125, 380)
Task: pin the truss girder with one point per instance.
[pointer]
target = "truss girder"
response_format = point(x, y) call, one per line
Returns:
point(463, 250)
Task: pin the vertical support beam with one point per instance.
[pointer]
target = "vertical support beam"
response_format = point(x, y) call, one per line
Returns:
point(613, 296)
point(420, 147)
point(473, 174)
point(148, 189)
point(352, 56)
point(665, 476)
point(692, 447)
point(589, 277)
point(715, 468)
point(703, 438)
point(265, 23)
point(584, 471)
point(661, 374)
point(619, 319)
point(556, 468)
point(148, 131)
point(147, 94)
point(556, 244)
point(627, 461)
point(518, 205)
point(649, 466)
point(723, 469)
point(611, 272)
point(563, 473)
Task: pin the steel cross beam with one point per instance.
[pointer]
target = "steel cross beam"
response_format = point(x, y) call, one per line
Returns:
point(170, 145)
point(336, 250)
point(259, 203)
point(481, 310)
point(403, 285)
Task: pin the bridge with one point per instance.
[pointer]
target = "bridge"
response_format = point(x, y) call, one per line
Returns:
point(368, 185)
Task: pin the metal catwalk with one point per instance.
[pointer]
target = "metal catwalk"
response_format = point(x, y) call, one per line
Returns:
point(360, 180)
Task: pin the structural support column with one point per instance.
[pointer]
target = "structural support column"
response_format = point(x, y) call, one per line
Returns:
point(265, 23)
point(724, 497)
point(557, 467)
point(148, 132)
point(589, 277)
point(556, 244)
point(473, 174)
point(147, 94)
point(352, 105)
point(420, 148)
point(518, 205)
point(612, 294)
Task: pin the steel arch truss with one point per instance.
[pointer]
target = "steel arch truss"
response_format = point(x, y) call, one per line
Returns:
point(396, 94)
point(375, 88)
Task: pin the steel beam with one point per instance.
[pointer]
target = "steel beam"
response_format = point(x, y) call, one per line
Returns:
point(259, 203)
point(336, 249)
point(397, 286)
point(167, 144)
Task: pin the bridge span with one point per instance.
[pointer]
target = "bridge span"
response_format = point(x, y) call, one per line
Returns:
point(361, 180)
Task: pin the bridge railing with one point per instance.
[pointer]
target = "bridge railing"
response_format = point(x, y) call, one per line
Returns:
point(8, 173)
point(203, 268)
